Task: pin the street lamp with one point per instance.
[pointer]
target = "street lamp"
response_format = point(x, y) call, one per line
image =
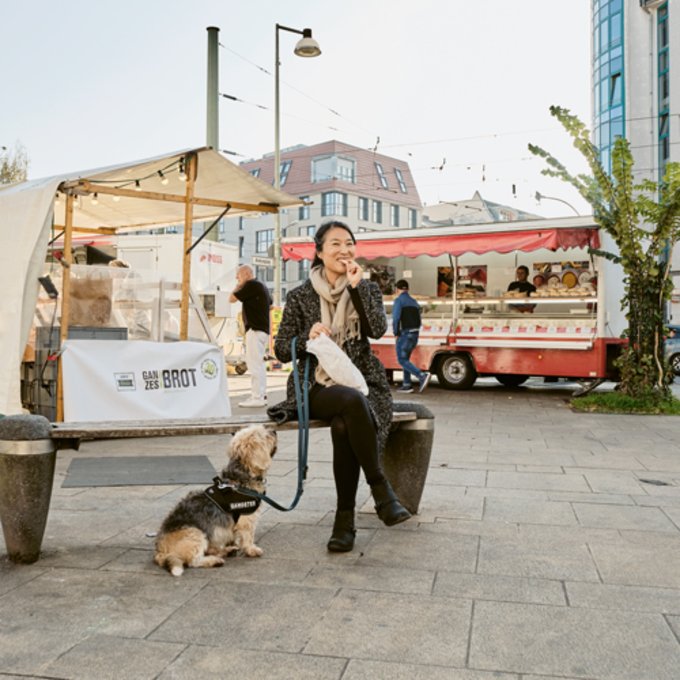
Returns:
point(305, 47)
point(540, 196)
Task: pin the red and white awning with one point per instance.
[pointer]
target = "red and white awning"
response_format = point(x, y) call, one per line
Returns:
point(495, 238)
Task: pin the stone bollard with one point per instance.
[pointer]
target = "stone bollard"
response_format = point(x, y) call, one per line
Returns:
point(27, 459)
point(407, 454)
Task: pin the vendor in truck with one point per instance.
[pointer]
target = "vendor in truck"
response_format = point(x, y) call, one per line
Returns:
point(521, 284)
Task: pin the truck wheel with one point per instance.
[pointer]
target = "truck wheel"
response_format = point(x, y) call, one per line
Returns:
point(456, 372)
point(511, 380)
point(675, 363)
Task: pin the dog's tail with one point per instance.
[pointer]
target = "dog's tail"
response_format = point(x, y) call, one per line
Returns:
point(170, 562)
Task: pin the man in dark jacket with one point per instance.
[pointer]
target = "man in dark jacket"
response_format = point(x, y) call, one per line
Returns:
point(256, 302)
point(406, 327)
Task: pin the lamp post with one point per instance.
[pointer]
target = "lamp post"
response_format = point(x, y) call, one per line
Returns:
point(305, 47)
point(540, 196)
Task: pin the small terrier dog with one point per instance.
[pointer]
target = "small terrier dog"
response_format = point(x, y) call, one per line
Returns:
point(198, 533)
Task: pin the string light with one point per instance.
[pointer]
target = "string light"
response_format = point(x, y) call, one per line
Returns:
point(138, 186)
point(164, 179)
point(116, 199)
point(182, 176)
point(95, 199)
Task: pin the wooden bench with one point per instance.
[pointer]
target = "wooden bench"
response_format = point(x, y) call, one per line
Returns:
point(69, 435)
point(28, 446)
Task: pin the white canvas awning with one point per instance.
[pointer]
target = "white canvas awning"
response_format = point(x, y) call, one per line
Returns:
point(144, 200)
point(218, 180)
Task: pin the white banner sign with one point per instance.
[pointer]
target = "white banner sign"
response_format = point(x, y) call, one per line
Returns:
point(139, 380)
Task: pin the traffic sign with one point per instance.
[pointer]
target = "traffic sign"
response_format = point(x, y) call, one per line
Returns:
point(263, 261)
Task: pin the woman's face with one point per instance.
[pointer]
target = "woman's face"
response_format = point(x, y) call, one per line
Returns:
point(337, 249)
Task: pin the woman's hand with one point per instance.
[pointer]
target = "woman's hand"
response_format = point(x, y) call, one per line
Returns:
point(354, 273)
point(319, 329)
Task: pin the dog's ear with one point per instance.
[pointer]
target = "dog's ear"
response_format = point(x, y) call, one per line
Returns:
point(253, 447)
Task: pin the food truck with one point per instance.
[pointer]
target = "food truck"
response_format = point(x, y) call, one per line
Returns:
point(471, 324)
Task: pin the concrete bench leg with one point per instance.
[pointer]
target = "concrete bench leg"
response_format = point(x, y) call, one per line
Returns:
point(27, 459)
point(407, 455)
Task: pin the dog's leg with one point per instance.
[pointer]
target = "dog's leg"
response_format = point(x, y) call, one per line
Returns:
point(206, 561)
point(245, 535)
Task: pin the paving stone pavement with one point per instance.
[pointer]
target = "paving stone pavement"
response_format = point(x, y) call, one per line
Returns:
point(543, 550)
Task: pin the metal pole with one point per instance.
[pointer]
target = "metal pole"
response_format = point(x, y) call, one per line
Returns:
point(212, 118)
point(277, 175)
point(212, 108)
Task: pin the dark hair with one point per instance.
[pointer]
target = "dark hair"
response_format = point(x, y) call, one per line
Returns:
point(402, 284)
point(524, 268)
point(321, 235)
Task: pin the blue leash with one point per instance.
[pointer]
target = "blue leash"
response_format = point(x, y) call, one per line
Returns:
point(302, 399)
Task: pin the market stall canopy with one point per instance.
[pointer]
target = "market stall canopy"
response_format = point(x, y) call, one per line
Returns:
point(108, 200)
point(529, 235)
point(218, 182)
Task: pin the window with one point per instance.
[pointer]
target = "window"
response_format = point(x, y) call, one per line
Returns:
point(303, 269)
point(255, 172)
point(400, 180)
point(344, 169)
point(303, 211)
point(615, 89)
point(394, 215)
point(284, 168)
point(333, 203)
point(241, 240)
point(363, 209)
point(308, 231)
point(412, 218)
point(377, 212)
point(381, 175)
point(327, 168)
point(240, 224)
point(263, 239)
point(264, 273)
point(663, 85)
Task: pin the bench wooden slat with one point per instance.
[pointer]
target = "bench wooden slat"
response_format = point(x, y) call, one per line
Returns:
point(166, 428)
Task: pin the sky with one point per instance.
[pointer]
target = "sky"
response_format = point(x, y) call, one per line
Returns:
point(457, 88)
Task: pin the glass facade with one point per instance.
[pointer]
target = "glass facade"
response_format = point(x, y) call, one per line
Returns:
point(608, 77)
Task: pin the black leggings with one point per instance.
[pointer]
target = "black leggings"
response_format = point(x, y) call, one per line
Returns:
point(355, 442)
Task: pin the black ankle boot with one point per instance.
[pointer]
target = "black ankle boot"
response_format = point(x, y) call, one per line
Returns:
point(342, 538)
point(387, 505)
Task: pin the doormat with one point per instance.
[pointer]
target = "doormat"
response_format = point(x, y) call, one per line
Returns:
point(138, 471)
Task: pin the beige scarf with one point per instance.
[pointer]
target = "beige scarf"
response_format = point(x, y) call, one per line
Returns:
point(337, 312)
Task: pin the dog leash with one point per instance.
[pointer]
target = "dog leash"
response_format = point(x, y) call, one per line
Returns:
point(236, 493)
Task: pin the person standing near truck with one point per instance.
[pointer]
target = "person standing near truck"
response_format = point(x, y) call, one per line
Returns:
point(406, 327)
point(256, 302)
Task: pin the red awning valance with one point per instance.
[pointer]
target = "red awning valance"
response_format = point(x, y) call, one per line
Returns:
point(457, 244)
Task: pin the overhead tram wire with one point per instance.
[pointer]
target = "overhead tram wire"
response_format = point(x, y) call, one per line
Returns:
point(292, 87)
point(267, 108)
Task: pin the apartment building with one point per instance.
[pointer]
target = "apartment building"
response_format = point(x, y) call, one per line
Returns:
point(367, 190)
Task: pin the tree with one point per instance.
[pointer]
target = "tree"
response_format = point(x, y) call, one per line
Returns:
point(644, 222)
point(13, 164)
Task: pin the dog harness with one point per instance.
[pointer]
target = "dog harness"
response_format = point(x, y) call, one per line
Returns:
point(229, 498)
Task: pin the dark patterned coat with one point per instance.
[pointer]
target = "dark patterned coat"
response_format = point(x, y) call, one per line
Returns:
point(302, 311)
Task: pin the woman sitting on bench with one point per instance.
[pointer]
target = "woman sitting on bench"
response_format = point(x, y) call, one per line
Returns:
point(337, 301)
